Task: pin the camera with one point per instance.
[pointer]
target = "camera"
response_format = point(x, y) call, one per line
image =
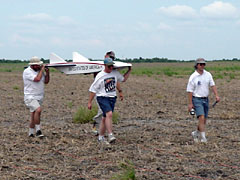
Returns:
point(192, 112)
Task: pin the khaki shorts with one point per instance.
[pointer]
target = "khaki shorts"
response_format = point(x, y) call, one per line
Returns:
point(33, 104)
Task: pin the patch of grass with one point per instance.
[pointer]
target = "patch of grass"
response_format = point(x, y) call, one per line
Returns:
point(84, 115)
point(115, 118)
point(231, 76)
point(12, 67)
point(70, 104)
point(128, 172)
point(16, 88)
point(169, 72)
point(6, 70)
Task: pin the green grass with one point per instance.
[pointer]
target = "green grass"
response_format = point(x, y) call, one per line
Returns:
point(70, 104)
point(12, 67)
point(128, 172)
point(16, 88)
point(219, 69)
point(84, 115)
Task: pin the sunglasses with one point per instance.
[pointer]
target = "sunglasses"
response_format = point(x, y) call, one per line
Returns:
point(202, 64)
point(110, 66)
point(112, 57)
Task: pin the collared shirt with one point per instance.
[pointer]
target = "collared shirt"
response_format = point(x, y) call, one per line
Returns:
point(32, 90)
point(199, 84)
point(105, 83)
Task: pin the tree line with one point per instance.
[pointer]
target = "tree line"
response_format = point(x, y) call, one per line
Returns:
point(134, 60)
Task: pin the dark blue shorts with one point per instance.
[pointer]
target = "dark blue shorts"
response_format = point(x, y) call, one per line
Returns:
point(106, 104)
point(201, 106)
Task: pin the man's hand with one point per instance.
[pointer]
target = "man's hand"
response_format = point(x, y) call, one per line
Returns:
point(46, 69)
point(217, 98)
point(89, 105)
point(190, 106)
point(121, 95)
point(43, 67)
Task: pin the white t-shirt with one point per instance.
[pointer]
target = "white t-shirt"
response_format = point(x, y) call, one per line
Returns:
point(33, 90)
point(105, 83)
point(199, 84)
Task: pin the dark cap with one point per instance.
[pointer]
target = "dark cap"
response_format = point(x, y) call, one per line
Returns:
point(111, 54)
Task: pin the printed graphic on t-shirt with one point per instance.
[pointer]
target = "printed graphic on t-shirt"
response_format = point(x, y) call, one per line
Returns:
point(199, 83)
point(109, 84)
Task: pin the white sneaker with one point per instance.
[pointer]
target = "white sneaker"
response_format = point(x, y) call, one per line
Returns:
point(95, 131)
point(103, 141)
point(195, 136)
point(204, 140)
point(111, 138)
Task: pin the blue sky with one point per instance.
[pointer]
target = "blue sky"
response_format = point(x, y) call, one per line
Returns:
point(173, 29)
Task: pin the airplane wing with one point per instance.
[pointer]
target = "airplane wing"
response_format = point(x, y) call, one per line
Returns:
point(80, 64)
point(59, 65)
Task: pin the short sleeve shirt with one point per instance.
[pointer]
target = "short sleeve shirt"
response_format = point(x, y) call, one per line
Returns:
point(199, 84)
point(32, 90)
point(105, 83)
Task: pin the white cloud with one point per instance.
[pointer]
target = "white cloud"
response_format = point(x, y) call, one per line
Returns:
point(142, 26)
point(36, 17)
point(178, 11)
point(219, 10)
point(65, 20)
point(163, 26)
point(18, 39)
point(46, 18)
point(63, 42)
point(1, 44)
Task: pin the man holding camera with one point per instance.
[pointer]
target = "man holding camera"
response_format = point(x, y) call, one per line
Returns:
point(198, 91)
point(34, 80)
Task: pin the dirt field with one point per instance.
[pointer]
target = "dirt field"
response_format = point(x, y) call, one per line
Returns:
point(153, 133)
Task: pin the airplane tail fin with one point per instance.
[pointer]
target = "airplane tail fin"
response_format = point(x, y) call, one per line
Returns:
point(79, 58)
point(56, 59)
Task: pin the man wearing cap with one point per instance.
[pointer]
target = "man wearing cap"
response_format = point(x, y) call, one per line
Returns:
point(34, 79)
point(98, 116)
point(104, 87)
point(198, 91)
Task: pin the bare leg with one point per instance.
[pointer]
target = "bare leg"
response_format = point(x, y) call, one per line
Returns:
point(102, 127)
point(32, 124)
point(201, 123)
point(108, 122)
point(37, 115)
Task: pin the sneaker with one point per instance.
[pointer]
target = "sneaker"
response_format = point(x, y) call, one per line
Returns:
point(95, 131)
point(31, 135)
point(103, 141)
point(195, 136)
point(204, 140)
point(39, 134)
point(111, 138)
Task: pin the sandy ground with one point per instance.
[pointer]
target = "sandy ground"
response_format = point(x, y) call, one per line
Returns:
point(153, 133)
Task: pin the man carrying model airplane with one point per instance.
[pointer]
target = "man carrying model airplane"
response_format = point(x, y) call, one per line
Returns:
point(104, 87)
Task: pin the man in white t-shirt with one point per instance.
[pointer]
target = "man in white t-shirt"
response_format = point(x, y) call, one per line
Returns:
point(97, 118)
point(34, 80)
point(198, 91)
point(104, 87)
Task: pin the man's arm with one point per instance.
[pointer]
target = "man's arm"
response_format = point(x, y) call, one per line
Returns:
point(190, 104)
point(126, 75)
point(214, 89)
point(91, 96)
point(47, 76)
point(120, 91)
point(40, 73)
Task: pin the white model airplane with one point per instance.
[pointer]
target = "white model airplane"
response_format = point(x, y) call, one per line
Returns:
point(80, 64)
